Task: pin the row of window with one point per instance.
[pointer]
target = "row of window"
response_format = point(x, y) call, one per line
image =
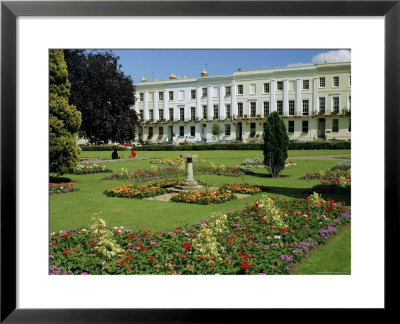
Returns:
point(290, 129)
point(182, 131)
point(240, 89)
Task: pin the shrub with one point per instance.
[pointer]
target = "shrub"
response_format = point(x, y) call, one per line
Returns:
point(102, 148)
point(317, 145)
point(276, 143)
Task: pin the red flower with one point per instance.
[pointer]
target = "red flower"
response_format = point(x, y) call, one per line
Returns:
point(187, 246)
point(152, 257)
point(228, 262)
point(144, 248)
point(133, 154)
point(245, 265)
point(66, 251)
point(122, 262)
point(261, 219)
point(128, 258)
point(183, 256)
point(306, 220)
point(53, 243)
point(66, 235)
point(202, 257)
point(211, 265)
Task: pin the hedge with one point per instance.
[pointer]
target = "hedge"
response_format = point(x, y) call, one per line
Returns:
point(225, 146)
point(242, 146)
point(102, 148)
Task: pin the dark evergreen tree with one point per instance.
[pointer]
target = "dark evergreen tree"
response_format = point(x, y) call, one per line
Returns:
point(276, 144)
point(104, 95)
point(64, 118)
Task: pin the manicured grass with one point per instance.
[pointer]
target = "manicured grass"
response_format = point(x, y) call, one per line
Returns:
point(334, 258)
point(207, 154)
point(74, 210)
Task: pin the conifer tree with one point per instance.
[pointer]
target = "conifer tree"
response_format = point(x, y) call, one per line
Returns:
point(276, 144)
point(64, 119)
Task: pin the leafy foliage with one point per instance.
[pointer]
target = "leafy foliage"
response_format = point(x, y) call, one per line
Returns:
point(104, 95)
point(276, 144)
point(265, 238)
point(216, 129)
point(65, 120)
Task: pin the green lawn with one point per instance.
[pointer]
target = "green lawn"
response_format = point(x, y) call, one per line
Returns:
point(74, 210)
point(332, 259)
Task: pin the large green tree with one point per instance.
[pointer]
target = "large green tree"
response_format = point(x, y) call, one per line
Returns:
point(64, 118)
point(104, 95)
point(276, 144)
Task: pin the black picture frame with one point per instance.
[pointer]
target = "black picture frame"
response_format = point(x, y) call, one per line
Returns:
point(10, 10)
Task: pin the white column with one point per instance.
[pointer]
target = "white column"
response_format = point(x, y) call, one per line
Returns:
point(166, 112)
point(176, 113)
point(210, 108)
point(146, 106)
point(198, 104)
point(155, 109)
point(234, 111)
point(222, 112)
point(314, 105)
point(272, 105)
point(298, 97)
point(285, 111)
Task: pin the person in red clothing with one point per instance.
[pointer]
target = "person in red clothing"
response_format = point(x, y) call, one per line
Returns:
point(133, 153)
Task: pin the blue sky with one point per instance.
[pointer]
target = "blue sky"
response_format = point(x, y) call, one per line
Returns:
point(161, 63)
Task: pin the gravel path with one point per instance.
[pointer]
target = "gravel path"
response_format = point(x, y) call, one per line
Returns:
point(319, 157)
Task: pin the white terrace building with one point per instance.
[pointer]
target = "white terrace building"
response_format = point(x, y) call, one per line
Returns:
point(313, 100)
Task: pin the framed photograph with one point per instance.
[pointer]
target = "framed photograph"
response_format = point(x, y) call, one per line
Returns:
point(367, 29)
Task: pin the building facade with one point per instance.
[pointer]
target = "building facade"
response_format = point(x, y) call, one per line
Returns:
point(314, 102)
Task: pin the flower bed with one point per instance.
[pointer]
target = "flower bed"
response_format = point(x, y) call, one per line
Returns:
point(258, 163)
point(151, 174)
point(221, 170)
point(264, 238)
point(334, 185)
point(344, 165)
point(150, 190)
point(242, 188)
point(155, 173)
point(326, 174)
point(131, 191)
point(91, 168)
point(174, 161)
point(62, 187)
point(204, 197)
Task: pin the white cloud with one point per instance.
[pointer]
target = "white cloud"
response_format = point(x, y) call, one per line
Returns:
point(332, 57)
